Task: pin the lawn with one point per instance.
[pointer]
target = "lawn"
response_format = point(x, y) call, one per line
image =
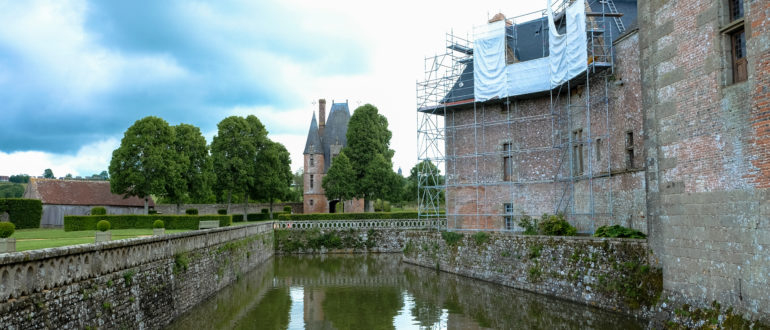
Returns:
point(32, 239)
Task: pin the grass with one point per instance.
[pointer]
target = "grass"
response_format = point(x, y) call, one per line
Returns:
point(33, 239)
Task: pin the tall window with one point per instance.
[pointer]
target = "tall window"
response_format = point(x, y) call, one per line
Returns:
point(311, 181)
point(577, 152)
point(736, 34)
point(312, 161)
point(508, 217)
point(598, 150)
point(507, 162)
point(629, 149)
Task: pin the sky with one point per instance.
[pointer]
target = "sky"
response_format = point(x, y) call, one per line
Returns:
point(75, 74)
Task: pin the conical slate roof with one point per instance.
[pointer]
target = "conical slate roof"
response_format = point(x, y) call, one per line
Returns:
point(313, 144)
point(335, 131)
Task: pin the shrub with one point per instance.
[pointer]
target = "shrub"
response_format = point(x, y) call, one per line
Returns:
point(103, 225)
point(287, 209)
point(555, 225)
point(158, 224)
point(191, 211)
point(264, 211)
point(23, 213)
point(529, 225)
point(98, 210)
point(152, 212)
point(6, 229)
point(481, 238)
point(134, 221)
point(222, 211)
point(618, 232)
point(451, 238)
point(349, 216)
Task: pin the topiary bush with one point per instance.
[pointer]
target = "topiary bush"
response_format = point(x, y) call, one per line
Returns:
point(617, 231)
point(98, 210)
point(191, 211)
point(222, 211)
point(158, 224)
point(23, 213)
point(103, 225)
point(6, 229)
point(555, 225)
point(287, 209)
point(264, 211)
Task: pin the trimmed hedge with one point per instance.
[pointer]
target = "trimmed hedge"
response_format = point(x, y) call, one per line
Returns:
point(222, 211)
point(349, 216)
point(98, 210)
point(256, 216)
point(287, 209)
point(133, 221)
point(23, 213)
point(191, 211)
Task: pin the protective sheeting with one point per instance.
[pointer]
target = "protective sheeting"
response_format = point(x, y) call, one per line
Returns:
point(489, 61)
point(567, 58)
point(568, 53)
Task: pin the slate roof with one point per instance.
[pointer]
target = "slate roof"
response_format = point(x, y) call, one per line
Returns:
point(335, 132)
point(529, 41)
point(73, 192)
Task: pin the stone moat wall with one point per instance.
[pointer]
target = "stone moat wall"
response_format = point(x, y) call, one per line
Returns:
point(610, 273)
point(134, 283)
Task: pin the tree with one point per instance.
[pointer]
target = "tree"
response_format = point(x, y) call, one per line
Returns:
point(19, 178)
point(337, 182)
point(369, 153)
point(145, 160)
point(68, 176)
point(234, 152)
point(14, 190)
point(423, 174)
point(192, 156)
point(48, 174)
point(297, 186)
point(273, 174)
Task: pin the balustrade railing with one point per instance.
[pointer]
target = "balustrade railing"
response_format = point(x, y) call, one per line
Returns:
point(362, 224)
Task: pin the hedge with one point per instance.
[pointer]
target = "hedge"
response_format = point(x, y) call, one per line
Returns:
point(349, 216)
point(23, 213)
point(256, 216)
point(133, 221)
point(98, 210)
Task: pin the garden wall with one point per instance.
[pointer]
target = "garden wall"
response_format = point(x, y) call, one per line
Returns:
point(610, 273)
point(234, 208)
point(134, 283)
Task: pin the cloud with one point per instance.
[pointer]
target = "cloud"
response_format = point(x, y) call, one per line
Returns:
point(89, 159)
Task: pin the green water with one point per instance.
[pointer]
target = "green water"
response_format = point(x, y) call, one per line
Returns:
point(381, 292)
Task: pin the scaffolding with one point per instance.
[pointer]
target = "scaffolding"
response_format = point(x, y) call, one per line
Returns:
point(575, 117)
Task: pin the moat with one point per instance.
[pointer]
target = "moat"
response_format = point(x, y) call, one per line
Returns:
point(381, 292)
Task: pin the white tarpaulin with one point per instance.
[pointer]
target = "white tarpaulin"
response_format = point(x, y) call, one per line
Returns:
point(489, 61)
point(567, 58)
point(567, 52)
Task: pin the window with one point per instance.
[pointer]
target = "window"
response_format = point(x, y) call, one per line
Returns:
point(738, 48)
point(311, 202)
point(629, 149)
point(736, 40)
point(312, 160)
point(311, 183)
point(577, 152)
point(598, 150)
point(508, 217)
point(507, 163)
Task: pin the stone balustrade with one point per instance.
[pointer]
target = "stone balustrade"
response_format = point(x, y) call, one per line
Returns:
point(362, 224)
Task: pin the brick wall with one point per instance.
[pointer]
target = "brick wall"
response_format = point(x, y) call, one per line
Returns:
point(707, 155)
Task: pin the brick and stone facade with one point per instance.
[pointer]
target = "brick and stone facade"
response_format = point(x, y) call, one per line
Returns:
point(325, 139)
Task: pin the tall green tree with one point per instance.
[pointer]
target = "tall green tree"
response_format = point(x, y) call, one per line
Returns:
point(234, 152)
point(423, 174)
point(337, 182)
point(273, 175)
point(48, 174)
point(192, 156)
point(145, 160)
point(19, 178)
point(370, 155)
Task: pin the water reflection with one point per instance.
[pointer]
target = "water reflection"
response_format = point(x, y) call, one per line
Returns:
point(380, 292)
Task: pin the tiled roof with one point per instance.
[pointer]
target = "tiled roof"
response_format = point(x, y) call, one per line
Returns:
point(72, 192)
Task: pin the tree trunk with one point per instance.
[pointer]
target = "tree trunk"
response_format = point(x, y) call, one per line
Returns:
point(146, 206)
point(229, 198)
point(178, 207)
point(270, 210)
point(366, 204)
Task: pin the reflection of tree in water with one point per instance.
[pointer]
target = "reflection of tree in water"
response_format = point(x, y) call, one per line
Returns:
point(271, 313)
point(362, 308)
point(426, 313)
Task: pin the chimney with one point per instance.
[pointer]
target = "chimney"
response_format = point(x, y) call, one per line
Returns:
point(321, 116)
